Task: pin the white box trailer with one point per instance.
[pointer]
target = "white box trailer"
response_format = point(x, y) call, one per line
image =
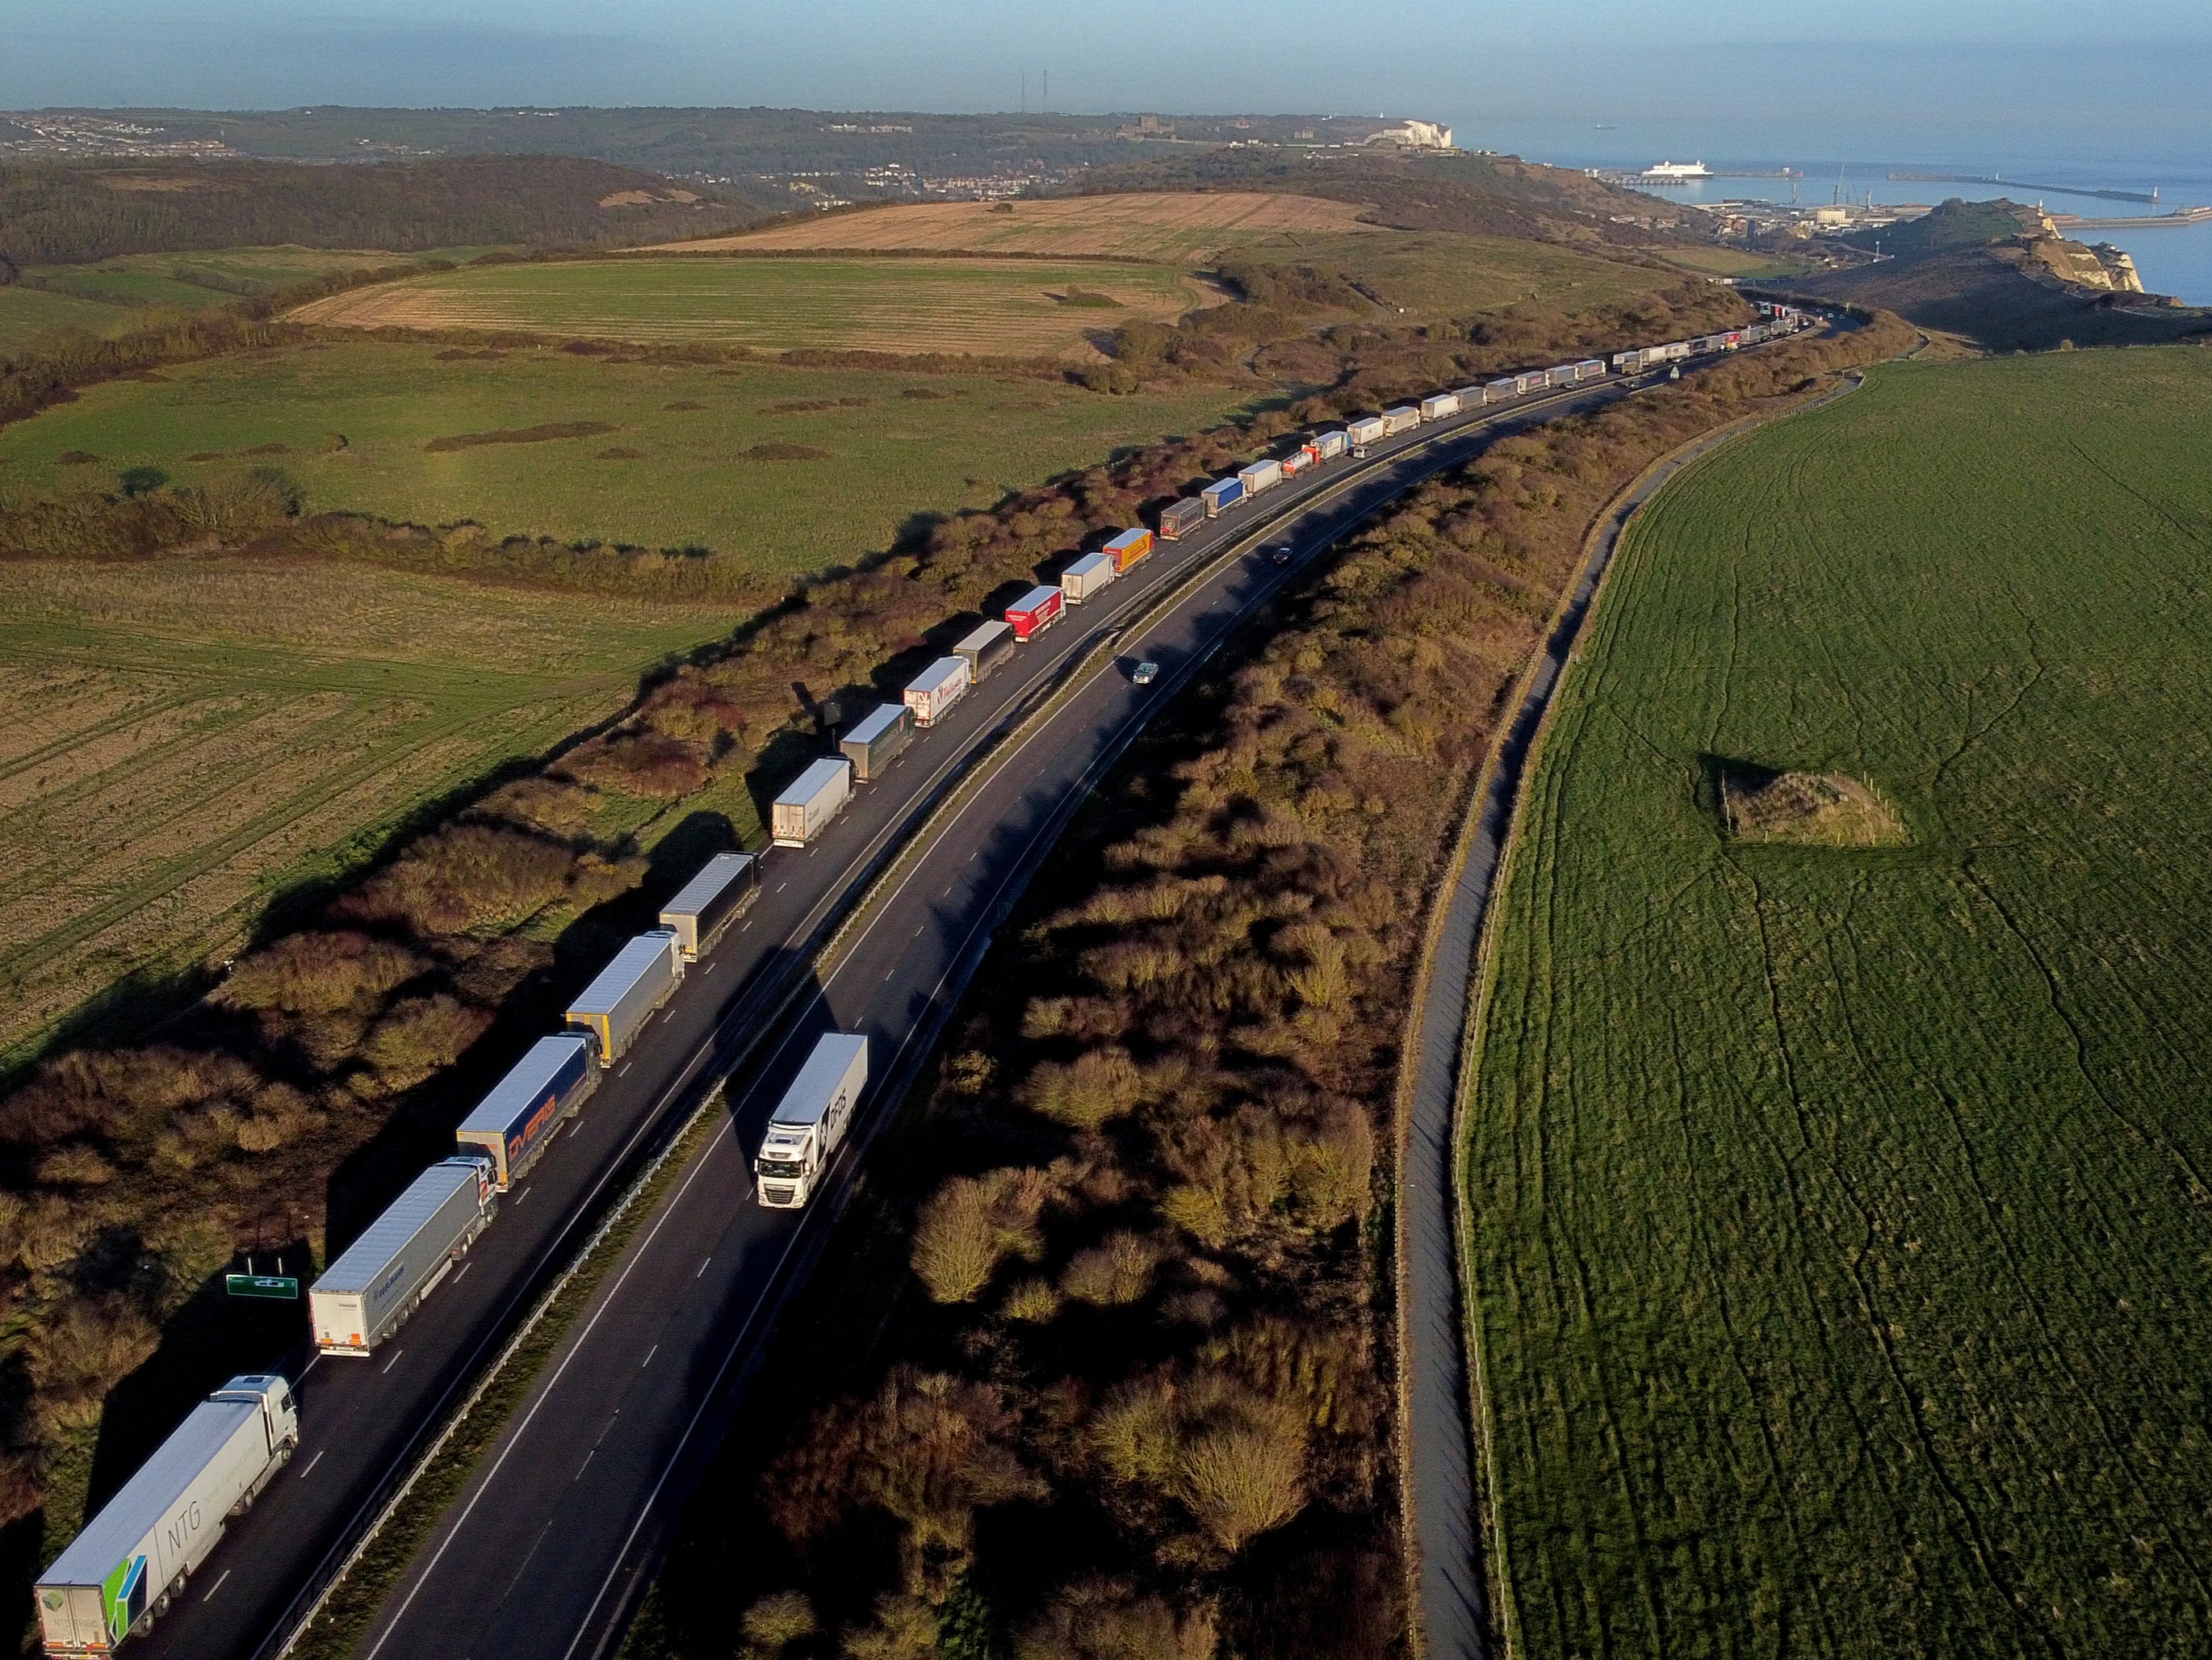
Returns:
point(1590, 368)
point(810, 1120)
point(810, 801)
point(1367, 429)
point(1438, 405)
point(933, 692)
point(704, 906)
point(368, 1293)
point(1404, 418)
point(1502, 390)
point(1260, 476)
point(622, 997)
point(1532, 381)
point(1327, 446)
point(1086, 577)
point(516, 1121)
point(132, 1558)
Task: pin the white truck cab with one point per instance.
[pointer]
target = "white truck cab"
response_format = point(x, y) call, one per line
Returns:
point(810, 1120)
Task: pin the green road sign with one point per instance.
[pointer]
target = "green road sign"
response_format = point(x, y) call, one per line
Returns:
point(261, 1285)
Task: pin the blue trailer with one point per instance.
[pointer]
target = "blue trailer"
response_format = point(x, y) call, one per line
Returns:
point(517, 1120)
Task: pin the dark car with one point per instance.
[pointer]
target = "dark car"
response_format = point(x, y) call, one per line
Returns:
point(1144, 674)
point(1281, 554)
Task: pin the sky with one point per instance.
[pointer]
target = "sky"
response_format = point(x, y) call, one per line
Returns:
point(2093, 81)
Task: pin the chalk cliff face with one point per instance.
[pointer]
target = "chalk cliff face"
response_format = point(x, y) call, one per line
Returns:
point(2103, 266)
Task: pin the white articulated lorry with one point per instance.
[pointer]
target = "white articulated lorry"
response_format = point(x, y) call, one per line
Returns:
point(810, 1120)
point(121, 1572)
point(367, 1293)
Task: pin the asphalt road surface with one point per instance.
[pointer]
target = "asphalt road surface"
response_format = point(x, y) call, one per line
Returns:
point(547, 1549)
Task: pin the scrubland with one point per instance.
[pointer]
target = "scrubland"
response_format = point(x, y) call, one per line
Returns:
point(1839, 1213)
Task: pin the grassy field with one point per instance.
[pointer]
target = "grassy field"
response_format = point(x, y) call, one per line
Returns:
point(674, 461)
point(1736, 262)
point(185, 737)
point(980, 308)
point(1842, 1216)
point(1174, 228)
point(1442, 273)
point(28, 315)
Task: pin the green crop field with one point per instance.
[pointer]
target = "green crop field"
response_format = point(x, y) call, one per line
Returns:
point(673, 458)
point(1841, 1237)
point(984, 307)
point(185, 737)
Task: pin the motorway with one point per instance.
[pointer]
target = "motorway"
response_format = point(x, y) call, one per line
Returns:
point(551, 1544)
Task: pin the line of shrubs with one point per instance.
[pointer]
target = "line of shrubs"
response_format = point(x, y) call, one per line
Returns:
point(1121, 1381)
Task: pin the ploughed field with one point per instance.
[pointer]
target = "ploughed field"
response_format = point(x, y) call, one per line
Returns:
point(979, 308)
point(1841, 1215)
point(1175, 227)
point(774, 471)
point(187, 736)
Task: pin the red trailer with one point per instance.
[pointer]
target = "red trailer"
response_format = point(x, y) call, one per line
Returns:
point(1034, 612)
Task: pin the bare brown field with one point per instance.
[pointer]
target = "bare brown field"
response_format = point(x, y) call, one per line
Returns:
point(191, 735)
point(1179, 228)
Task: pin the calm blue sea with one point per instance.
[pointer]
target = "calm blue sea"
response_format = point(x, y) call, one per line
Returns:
point(2172, 260)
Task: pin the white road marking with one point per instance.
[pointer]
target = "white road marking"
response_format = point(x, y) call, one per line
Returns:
point(216, 1587)
point(519, 1197)
point(581, 1467)
point(312, 1463)
point(621, 1069)
point(466, 1267)
point(780, 886)
point(394, 1361)
point(702, 1268)
point(711, 967)
point(748, 921)
point(649, 1353)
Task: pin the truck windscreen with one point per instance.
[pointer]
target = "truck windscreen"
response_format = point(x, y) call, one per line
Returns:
point(779, 1168)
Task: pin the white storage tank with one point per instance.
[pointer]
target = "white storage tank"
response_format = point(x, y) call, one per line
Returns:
point(810, 801)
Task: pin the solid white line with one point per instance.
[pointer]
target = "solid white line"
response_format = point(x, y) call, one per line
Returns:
point(312, 1463)
point(216, 1587)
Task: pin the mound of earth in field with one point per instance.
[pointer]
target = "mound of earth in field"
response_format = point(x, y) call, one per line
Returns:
point(544, 433)
point(1817, 809)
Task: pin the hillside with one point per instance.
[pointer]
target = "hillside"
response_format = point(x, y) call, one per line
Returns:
point(57, 213)
point(1491, 195)
point(1999, 298)
point(1954, 223)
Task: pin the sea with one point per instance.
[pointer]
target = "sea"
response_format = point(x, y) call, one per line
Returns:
point(2171, 259)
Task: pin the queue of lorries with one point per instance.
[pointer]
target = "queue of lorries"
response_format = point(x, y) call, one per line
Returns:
point(132, 1558)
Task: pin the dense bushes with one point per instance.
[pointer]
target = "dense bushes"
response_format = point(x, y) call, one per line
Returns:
point(1140, 1207)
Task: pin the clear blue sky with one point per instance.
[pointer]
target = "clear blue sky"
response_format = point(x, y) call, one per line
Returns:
point(2114, 77)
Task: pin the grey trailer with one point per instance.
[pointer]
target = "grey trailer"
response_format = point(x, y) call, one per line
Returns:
point(130, 1560)
point(810, 801)
point(1179, 519)
point(705, 904)
point(642, 976)
point(875, 742)
point(985, 649)
point(368, 1293)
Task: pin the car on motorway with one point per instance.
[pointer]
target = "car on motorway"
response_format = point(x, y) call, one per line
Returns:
point(1281, 553)
point(1359, 452)
point(1144, 674)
